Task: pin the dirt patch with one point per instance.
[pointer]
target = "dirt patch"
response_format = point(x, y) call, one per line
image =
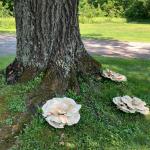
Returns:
point(3, 109)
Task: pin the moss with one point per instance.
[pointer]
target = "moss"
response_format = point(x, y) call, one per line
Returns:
point(89, 66)
point(28, 74)
point(8, 132)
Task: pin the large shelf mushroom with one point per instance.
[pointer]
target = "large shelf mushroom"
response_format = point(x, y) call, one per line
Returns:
point(59, 112)
point(131, 104)
point(114, 76)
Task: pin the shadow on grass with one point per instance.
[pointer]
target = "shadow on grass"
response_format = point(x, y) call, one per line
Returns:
point(8, 32)
point(96, 37)
point(138, 21)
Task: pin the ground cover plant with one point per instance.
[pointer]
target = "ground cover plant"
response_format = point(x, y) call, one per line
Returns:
point(12, 101)
point(102, 126)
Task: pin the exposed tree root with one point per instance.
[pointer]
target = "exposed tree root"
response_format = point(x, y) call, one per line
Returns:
point(8, 132)
point(54, 83)
point(13, 72)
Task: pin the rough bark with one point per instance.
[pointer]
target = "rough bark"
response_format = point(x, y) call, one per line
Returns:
point(48, 39)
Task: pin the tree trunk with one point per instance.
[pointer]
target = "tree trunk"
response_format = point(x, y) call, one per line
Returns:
point(48, 39)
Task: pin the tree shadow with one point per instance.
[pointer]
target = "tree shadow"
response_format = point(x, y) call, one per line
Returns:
point(96, 37)
point(115, 48)
point(7, 32)
point(138, 21)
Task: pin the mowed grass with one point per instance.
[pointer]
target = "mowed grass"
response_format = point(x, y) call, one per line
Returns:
point(7, 25)
point(99, 28)
point(102, 125)
point(117, 31)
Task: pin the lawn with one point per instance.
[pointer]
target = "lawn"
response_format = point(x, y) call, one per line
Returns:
point(7, 25)
point(117, 31)
point(100, 28)
point(102, 126)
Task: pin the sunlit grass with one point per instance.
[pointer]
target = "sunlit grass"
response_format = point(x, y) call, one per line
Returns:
point(7, 25)
point(4, 61)
point(117, 31)
point(98, 20)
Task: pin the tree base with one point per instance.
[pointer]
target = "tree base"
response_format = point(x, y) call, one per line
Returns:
point(53, 84)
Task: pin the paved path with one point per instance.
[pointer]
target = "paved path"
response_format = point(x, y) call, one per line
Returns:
point(111, 48)
point(114, 48)
point(7, 45)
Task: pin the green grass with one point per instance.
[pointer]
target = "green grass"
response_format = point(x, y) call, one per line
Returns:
point(98, 20)
point(4, 61)
point(7, 25)
point(99, 28)
point(102, 126)
point(12, 97)
point(117, 31)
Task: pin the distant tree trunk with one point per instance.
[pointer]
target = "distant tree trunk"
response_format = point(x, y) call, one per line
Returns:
point(48, 39)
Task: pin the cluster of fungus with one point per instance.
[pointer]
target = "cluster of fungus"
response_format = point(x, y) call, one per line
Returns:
point(114, 76)
point(59, 112)
point(131, 104)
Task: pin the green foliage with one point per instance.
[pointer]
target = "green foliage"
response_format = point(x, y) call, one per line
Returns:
point(73, 95)
point(3, 11)
point(9, 121)
point(138, 10)
point(17, 104)
point(9, 5)
point(147, 3)
point(134, 9)
point(113, 9)
point(89, 11)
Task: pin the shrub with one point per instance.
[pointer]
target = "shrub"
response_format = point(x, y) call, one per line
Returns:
point(112, 9)
point(148, 7)
point(3, 11)
point(87, 10)
point(137, 10)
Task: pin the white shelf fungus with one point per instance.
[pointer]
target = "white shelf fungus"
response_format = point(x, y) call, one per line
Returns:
point(131, 105)
point(59, 112)
point(114, 76)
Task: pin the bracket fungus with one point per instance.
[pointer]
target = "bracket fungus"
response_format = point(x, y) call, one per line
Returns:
point(114, 76)
point(131, 104)
point(59, 112)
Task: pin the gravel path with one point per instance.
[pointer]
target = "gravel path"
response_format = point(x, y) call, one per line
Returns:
point(112, 48)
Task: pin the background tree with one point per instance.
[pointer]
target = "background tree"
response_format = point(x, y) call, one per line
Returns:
point(133, 9)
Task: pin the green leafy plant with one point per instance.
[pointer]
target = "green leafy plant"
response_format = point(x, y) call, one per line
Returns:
point(17, 104)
